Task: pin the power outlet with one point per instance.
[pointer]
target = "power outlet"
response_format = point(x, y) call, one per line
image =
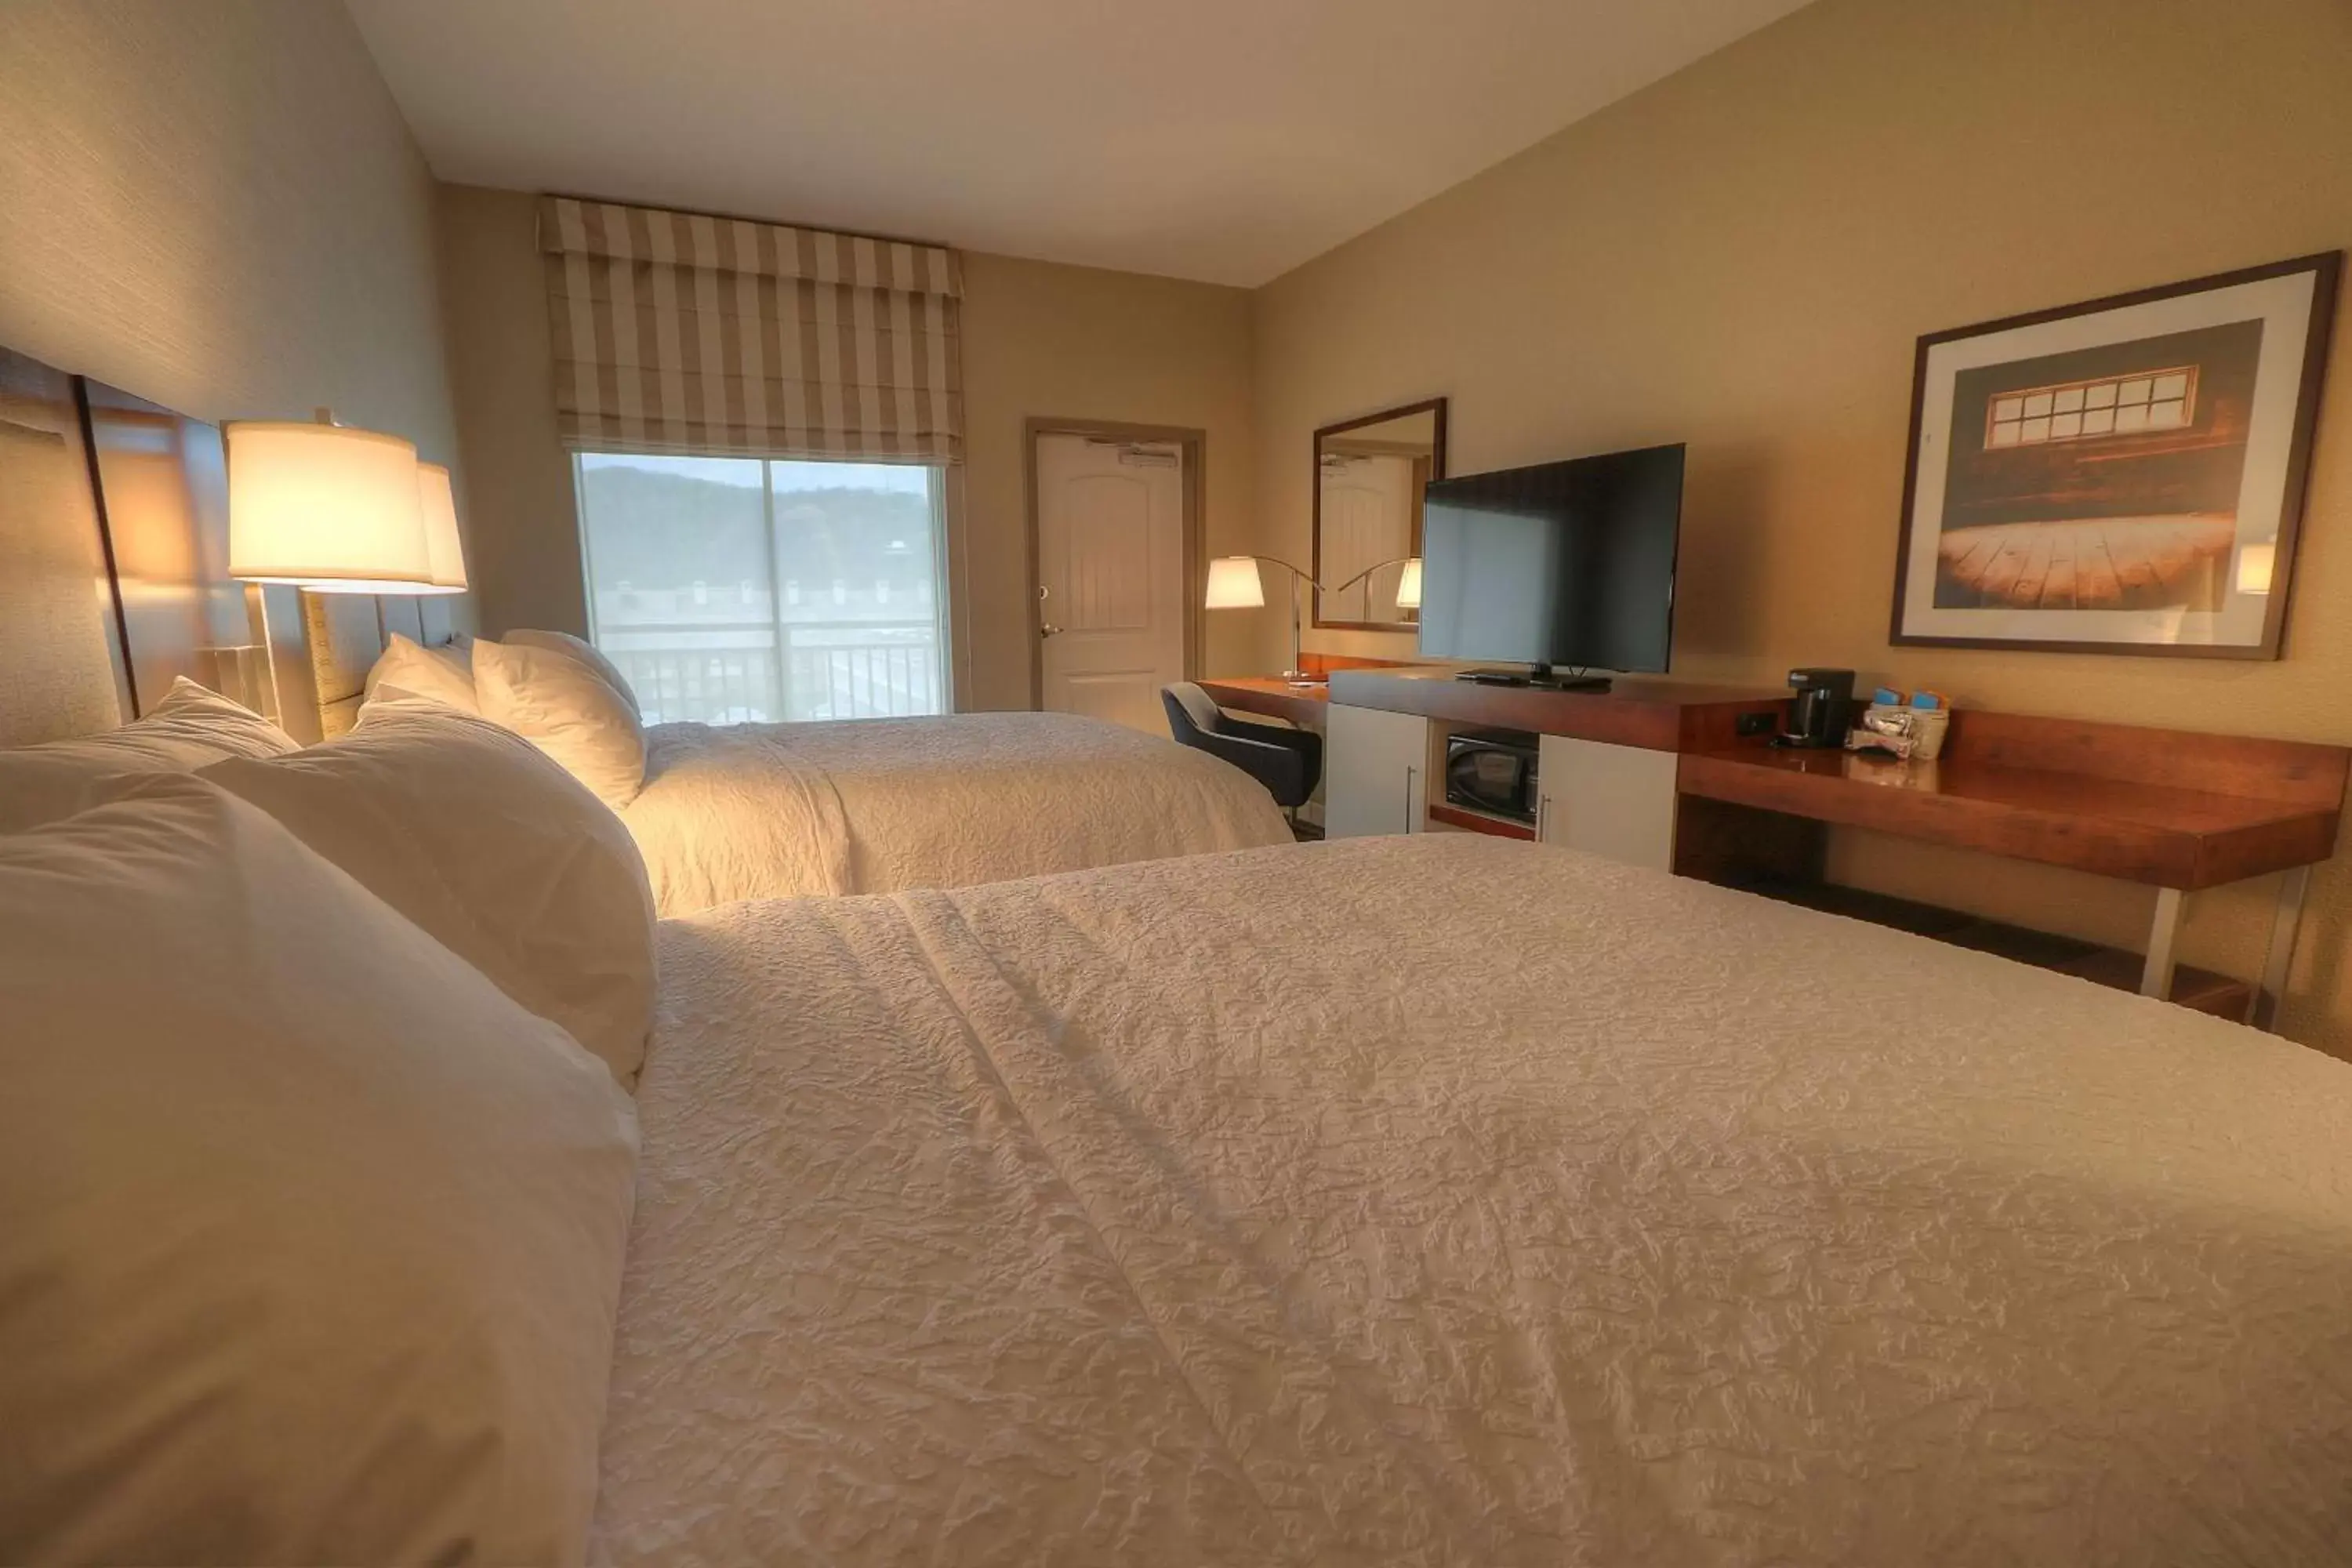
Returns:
point(1764, 723)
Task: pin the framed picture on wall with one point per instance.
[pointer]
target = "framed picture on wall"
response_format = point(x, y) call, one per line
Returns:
point(2125, 476)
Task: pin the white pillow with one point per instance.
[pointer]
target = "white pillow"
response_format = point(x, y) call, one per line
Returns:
point(561, 700)
point(495, 851)
point(310, 1240)
point(564, 642)
point(190, 728)
point(444, 673)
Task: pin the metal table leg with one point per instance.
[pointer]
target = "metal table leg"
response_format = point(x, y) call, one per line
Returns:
point(2278, 957)
point(2155, 975)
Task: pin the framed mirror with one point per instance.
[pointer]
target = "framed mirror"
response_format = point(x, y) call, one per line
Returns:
point(1369, 475)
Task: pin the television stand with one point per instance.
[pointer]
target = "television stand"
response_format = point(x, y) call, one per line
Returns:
point(1543, 678)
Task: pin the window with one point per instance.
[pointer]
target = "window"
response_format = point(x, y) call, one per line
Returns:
point(2086, 410)
point(734, 590)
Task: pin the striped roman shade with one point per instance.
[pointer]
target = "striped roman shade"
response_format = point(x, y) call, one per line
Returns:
point(676, 332)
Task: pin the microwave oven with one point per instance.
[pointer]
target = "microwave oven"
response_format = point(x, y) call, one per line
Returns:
point(1490, 775)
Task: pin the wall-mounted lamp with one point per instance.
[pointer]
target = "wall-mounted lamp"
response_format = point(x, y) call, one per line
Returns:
point(326, 507)
point(1234, 584)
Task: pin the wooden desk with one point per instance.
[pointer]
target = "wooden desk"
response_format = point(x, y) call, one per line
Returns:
point(2176, 811)
point(1302, 705)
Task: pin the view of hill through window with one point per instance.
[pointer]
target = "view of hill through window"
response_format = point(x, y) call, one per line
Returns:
point(741, 589)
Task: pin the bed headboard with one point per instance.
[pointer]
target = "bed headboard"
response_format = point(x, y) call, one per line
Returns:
point(163, 501)
point(62, 668)
point(343, 634)
point(114, 575)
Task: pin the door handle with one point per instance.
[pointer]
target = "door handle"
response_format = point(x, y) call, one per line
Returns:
point(1409, 772)
point(1045, 628)
point(1543, 819)
point(1049, 631)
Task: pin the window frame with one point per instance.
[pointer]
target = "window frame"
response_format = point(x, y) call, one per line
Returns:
point(2024, 396)
point(939, 479)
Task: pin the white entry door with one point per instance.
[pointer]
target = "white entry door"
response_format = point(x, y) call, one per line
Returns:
point(1110, 563)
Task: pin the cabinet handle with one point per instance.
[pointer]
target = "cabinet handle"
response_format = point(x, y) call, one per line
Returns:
point(1409, 773)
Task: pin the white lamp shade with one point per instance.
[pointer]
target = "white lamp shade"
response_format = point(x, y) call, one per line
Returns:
point(1408, 595)
point(1233, 584)
point(325, 507)
point(444, 553)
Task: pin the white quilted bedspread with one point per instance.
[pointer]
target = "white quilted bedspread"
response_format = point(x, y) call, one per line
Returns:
point(1449, 1200)
point(872, 806)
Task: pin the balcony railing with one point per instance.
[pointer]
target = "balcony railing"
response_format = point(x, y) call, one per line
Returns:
point(725, 673)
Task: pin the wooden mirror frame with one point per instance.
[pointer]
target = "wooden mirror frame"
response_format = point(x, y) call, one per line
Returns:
point(1435, 407)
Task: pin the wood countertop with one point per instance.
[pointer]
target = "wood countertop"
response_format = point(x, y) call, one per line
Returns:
point(1271, 695)
point(2168, 809)
point(1656, 715)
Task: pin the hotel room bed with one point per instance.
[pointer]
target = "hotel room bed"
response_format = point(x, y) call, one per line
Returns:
point(865, 805)
point(1446, 1201)
point(874, 805)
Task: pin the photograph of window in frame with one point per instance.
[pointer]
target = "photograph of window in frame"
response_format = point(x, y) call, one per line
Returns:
point(2115, 406)
point(2122, 476)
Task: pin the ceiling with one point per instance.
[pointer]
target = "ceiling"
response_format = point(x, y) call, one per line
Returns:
point(1221, 140)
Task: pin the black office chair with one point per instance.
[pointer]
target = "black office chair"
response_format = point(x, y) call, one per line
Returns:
point(1289, 762)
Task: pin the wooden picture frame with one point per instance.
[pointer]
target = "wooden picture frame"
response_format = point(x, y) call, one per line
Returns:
point(1425, 469)
point(2122, 476)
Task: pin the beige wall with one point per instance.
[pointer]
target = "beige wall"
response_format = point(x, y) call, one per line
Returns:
point(1074, 343)
point(218, 207)
point(1039, 341)
point(1741, 258)
point(525, 530)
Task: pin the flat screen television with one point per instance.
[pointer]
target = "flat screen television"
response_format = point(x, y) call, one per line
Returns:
point(1564, 566)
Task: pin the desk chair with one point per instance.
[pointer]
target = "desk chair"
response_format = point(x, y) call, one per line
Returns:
point(1289, 762)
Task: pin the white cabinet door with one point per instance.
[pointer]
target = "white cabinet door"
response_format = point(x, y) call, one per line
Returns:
point(1375, 772)
point(1613, 801)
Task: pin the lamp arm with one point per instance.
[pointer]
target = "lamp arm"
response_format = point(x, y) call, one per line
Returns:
point(1313, 582)
point(1292, 674)
point(1392, 561)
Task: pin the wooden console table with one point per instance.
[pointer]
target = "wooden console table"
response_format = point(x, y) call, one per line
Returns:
point(1655, 715)
point(2176, 811)
point(1606, 764)
point(1683, 777)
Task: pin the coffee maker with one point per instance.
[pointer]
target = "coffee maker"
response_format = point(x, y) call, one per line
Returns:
point(1817, 717)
